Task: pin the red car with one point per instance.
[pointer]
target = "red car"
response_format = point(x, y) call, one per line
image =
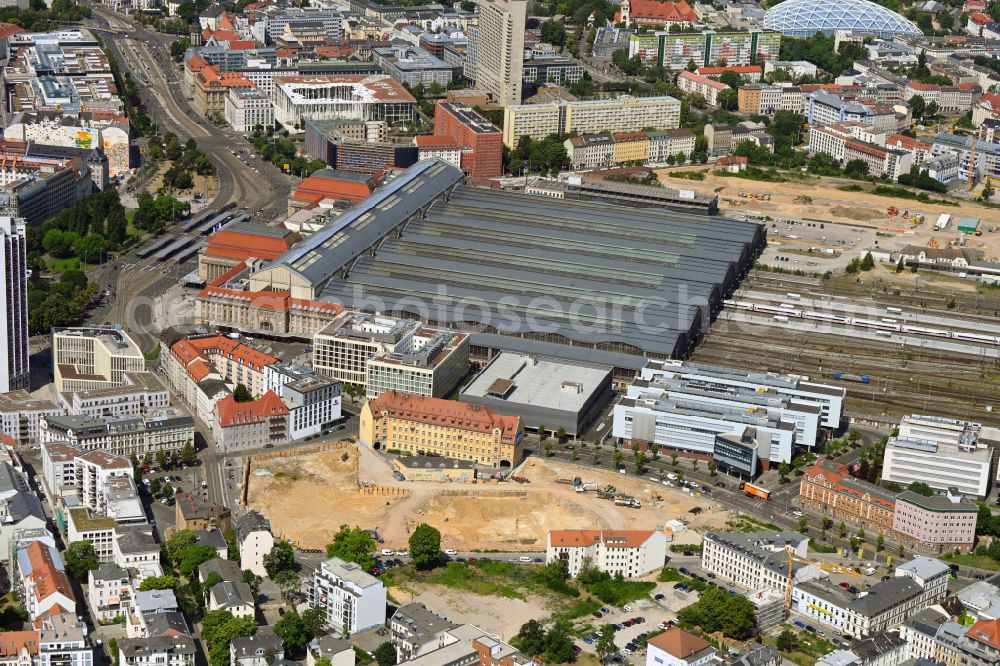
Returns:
point(473, 559)
point(845, 585)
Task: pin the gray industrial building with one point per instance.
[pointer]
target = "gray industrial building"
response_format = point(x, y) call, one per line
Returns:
point(574, 275)
point(637, 281)
point(542, 391)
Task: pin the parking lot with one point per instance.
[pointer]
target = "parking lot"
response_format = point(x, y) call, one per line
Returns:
point(653, 612)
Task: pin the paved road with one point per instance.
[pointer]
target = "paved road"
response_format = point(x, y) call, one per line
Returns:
point(145, 54)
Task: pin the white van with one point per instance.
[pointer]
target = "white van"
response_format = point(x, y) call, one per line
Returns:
point(524, 558)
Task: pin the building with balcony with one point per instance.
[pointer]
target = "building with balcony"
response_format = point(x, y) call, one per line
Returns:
point(351, 600)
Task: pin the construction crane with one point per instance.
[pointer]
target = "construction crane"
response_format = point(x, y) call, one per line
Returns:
point(971, 176)
point(830, 568)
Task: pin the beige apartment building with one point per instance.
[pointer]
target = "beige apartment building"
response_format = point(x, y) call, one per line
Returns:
point(421, 426)
point(624, 114)
point(500, 49)
point(86, 359)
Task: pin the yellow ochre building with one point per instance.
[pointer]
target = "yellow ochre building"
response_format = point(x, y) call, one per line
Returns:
point(420, 425)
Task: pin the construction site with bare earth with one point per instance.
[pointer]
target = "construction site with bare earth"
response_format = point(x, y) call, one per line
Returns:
point(311, 494)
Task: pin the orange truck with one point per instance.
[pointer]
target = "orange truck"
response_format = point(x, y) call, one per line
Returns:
point(755, 491)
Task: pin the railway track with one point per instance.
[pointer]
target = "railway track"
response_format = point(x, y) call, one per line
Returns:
point(902, 382)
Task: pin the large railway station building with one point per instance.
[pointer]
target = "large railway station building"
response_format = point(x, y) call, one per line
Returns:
point(572, 279)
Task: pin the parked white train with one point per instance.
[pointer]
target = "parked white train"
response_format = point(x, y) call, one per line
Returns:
point(881, 326)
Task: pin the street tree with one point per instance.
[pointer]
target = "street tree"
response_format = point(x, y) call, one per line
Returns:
point(80, 558)
point(351, 544)
point(385, 654)
point(280, 558)
point(640, 461)
point(606, 643)
point(425, 546)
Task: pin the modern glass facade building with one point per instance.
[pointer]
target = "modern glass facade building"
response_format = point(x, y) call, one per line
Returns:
point(804, 18)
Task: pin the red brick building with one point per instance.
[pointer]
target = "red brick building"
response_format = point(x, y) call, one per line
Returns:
point(482, 142)
point(829, 488)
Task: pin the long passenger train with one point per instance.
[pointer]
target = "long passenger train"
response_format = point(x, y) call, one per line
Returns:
point(786, 311)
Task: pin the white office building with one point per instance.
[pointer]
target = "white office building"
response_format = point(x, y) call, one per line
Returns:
point(886, 605)
point(629, 553)
point(340, 97)
point(21, 416)
point(648, 413)
point(139, 393)
point(386, 353)
point(14, 302)
point(943, 453)
point(829, 399)
point(93, 358)
point(351, 600)
point(247, 109)
point(756, 560)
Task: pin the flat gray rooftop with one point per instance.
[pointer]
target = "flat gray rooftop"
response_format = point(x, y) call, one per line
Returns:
point(631, 280)
point(542, 382)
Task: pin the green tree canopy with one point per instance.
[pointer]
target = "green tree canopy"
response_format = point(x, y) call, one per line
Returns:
point(385, 654)
point(165, 582)
point(425, 546)
point(292, 631)
point(80, 558)
point(281, 558)
point(242, 394)
point(920, 488)
point(531, 638)
point(351, 544)
point(219, 628)
point(717, 610)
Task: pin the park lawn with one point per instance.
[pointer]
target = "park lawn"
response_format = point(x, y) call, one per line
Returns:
point(619, 592)
point(810, 648)
point(62, 265)
point(485, 577)
point(671, 575)
point(821, 548)
point(970, 560)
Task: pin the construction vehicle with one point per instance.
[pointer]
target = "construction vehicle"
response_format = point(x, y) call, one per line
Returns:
point(755, 491)
point(932, 243)
point(829, 568)
point(892, 212)
point(971, 176)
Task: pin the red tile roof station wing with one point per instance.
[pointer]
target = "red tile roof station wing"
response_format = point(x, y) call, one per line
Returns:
point(237, 245)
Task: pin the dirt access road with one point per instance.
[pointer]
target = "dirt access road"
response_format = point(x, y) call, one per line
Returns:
point(829, 204)
point(308, 497)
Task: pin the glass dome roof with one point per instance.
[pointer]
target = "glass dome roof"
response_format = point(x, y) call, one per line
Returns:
point(803, 18)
